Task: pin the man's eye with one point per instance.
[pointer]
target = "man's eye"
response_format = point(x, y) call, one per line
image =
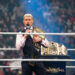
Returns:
point(25, 19)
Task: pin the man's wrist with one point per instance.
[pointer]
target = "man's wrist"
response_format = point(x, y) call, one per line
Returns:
point(25, 36)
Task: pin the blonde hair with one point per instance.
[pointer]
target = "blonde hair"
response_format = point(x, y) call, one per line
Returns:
point(28, 15)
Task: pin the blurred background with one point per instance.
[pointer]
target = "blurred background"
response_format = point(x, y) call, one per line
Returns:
point(51, 16)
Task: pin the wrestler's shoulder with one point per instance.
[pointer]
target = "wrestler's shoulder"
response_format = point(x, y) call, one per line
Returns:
point(38, 29)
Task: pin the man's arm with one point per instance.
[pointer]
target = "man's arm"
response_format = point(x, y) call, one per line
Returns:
point(20, 41)
point(45, 43)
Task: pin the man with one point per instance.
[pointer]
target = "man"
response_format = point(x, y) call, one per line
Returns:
point(31, 46)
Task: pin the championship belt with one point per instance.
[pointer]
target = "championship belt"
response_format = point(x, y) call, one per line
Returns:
point(32, 63)
point(64, 50)
point(54, 49)
point(38, 49)
point(37, 30)
point(51, 50)
point(36, 45)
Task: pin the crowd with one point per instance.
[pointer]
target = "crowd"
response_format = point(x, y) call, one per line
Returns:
point(10, 21)
point(59, 14)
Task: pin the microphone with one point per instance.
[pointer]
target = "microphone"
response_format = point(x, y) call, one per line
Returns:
point(27, 26)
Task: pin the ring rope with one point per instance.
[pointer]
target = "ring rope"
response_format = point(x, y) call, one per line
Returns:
point(20, 66)
point(70, 66)
point(37, 33)
point(18, 50)
point(69, 60)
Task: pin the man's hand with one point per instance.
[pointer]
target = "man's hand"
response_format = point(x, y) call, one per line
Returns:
point(36, 38)
point(27, 31)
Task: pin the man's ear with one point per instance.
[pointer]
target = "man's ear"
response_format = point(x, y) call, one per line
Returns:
point(32, 21)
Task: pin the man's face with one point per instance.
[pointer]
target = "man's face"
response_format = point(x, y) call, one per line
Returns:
point(28, 20)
